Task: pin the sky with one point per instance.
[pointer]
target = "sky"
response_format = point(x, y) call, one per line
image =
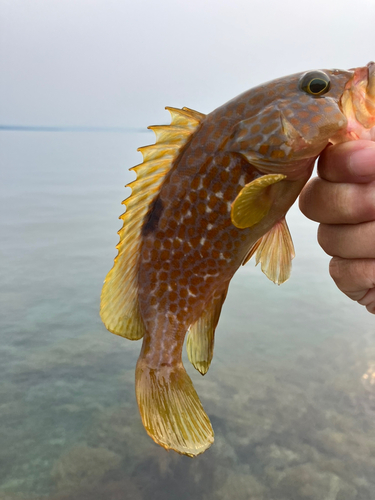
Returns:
point(118, 63)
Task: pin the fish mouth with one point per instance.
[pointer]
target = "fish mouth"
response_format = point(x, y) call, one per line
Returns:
point(371, 80)
point(358, 102)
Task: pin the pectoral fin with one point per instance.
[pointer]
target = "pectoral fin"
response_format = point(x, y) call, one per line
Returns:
point(254, 201)
point(200, 341)
point(274, 251)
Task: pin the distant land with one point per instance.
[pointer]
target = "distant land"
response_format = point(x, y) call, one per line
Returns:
point(42, 128)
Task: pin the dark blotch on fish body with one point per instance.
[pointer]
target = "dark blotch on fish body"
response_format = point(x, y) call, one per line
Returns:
point(153, 217)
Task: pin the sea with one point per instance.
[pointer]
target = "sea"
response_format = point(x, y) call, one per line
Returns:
point(290, 392)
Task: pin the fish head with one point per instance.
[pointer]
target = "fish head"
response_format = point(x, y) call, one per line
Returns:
point(305, 112)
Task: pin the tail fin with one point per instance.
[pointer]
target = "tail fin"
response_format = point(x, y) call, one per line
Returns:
point(171, 411)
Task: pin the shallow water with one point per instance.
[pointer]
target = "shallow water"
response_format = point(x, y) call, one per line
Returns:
point(290, 392)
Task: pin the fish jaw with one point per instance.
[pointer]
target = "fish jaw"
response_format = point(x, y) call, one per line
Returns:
point(358, 105)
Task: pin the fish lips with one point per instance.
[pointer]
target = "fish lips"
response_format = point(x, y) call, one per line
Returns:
point(360, 90)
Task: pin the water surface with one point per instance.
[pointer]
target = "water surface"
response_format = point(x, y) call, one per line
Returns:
point(289, 392)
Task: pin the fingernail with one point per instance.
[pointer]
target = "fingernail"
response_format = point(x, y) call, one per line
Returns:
point(362, 162)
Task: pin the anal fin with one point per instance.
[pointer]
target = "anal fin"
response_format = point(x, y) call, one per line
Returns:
point(200, 340)
point(274, 251)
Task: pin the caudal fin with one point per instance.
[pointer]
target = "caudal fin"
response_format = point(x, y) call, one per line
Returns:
point(171, 411)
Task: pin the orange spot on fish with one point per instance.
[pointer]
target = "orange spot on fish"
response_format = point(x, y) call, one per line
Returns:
point(173, 307)
point(164, 254)
point(185, 247)
point(212, 201)
point(154, 254)
point(180, 316)
point(157, 265)
point(303, 115)
point(313, 107)
point(195, 183)
point(193, 196)
point(201, 208)
point(305, 129)
point(263, 149)
point(270, 128)
point(223, 208)
point(277, 153)
point(240, 108)
point(225, 161)
point(191, 300)
point(195, 241)
point(212, 216)
point(229, 193)
point(224, 175)
point(163, 287)
point(163, 302)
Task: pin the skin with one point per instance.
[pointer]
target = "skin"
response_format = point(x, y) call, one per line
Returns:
point(342, 200)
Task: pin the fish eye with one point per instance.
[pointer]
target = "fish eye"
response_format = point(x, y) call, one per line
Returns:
point(315, 83)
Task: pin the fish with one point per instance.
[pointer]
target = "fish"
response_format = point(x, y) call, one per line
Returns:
point(212, 192)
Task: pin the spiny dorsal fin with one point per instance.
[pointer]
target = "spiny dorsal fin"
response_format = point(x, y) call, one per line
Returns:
point(274, 251)
point(200, 341)
point(253, 202)
point(119, 300)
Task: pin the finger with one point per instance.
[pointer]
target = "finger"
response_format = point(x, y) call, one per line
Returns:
point(334, 203)
point(354, 277)
point(355, 241)
point(369, 301)
point(352, 161)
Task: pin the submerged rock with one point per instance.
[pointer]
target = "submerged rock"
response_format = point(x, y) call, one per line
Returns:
point(306, 482)
point(241, 485)
point(83, 466)
point(116, 490)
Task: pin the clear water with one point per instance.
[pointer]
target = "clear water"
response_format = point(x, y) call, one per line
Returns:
point(289, 393)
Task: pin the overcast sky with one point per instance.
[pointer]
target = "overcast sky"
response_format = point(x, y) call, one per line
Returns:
point(119, 62)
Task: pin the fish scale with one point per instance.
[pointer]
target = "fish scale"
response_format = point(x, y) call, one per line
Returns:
point(212, 192)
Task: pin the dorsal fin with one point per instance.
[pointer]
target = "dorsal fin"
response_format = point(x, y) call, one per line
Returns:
point(119, 300)
point(275, 252)
point(200, 341)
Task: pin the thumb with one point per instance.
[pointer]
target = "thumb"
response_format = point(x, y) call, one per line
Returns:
point(352, 162)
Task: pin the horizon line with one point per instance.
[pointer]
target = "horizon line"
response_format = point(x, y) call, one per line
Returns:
point(80, 128)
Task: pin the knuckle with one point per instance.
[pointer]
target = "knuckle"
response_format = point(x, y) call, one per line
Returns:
point(336, 270)
point(324, 237)
point(307, 203)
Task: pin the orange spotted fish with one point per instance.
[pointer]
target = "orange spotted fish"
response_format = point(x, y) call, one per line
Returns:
point(211, 192)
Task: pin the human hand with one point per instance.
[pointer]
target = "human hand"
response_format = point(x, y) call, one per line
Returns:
point(342, 199)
